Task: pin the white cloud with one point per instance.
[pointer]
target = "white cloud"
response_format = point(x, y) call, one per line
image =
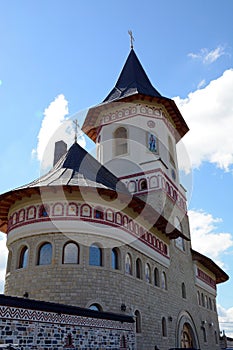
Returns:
point(3, 259)
point(55, 127)
point(209, 115)
point(225, 317)
point(208, 56)
point(205, 239)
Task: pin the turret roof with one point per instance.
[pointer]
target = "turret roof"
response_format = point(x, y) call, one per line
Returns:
point(79, 168)
point(132, 80)
point(132, 85)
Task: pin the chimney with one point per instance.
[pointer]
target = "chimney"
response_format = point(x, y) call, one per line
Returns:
point(59, 150)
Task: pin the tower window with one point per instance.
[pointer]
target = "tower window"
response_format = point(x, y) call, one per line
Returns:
point(156, 277)
point(70, 253)
point(121, 141)
point(164, 327)
point(23, 258)
point(45, 254)
point(95, 255)
point(115, 259)
point(148, 273)
point(128, 264)
point(139, 268)
point(163, 281)
point(138, 321)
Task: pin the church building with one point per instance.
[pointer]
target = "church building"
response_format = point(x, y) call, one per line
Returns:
point(108, 237)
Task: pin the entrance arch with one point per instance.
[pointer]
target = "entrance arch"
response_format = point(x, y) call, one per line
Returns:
point(186, 334)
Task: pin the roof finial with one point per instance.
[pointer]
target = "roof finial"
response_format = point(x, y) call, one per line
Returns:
point(131, 38)
point(75, 130)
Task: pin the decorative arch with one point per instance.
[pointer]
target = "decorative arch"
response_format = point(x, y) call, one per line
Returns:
point(72, 209)
point(98, 213)
point(58, 209)
point(186, 333)
point(86, 210)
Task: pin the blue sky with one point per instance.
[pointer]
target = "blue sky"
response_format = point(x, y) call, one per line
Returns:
point(60, 57)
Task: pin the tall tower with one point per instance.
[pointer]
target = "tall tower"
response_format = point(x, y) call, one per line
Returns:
point(136, 130)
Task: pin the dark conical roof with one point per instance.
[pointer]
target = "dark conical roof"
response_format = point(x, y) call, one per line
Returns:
point(78, 168)
point(132, 80)
point(133, 84)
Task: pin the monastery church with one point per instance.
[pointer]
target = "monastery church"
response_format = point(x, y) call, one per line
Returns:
point(100, 254)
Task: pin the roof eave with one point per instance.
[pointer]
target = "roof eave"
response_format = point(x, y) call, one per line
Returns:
point(90, 126)
point(150, 215)
point(221, 276)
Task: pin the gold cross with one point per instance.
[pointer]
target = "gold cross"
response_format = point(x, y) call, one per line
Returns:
point(131, 38)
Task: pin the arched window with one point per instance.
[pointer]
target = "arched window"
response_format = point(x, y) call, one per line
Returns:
point(148, 273)
point(95, 307)
point(206, 302)
point(163, 281)
point(45, 254)
point(115, 259)
point(70, 253)
point(210, 304)
point(139, 268)
point(138, 321)
point(198, 298)
point(156, 277)
point(121, 141)
point(142, 185)
point(23, 257)
point(183, 289)
point(204, 334)
point(95, 255)
point(164, 327)
point(171, 151)
point(128, 264)
point(202, 299)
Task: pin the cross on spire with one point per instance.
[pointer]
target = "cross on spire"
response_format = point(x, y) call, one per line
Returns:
point(131, 38)
point(76, 126)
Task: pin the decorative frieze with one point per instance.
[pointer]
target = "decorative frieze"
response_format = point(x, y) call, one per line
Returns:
point(53, 211)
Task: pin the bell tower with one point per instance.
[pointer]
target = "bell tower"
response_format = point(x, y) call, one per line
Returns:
point(136, 130)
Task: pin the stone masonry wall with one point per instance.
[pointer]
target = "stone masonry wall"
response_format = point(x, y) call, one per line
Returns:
point(40, 330)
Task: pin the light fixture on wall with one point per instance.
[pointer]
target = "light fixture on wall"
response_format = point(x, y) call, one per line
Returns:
point(26, 295)
point(170, 318)
point(211, 324)
point(203, 323)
